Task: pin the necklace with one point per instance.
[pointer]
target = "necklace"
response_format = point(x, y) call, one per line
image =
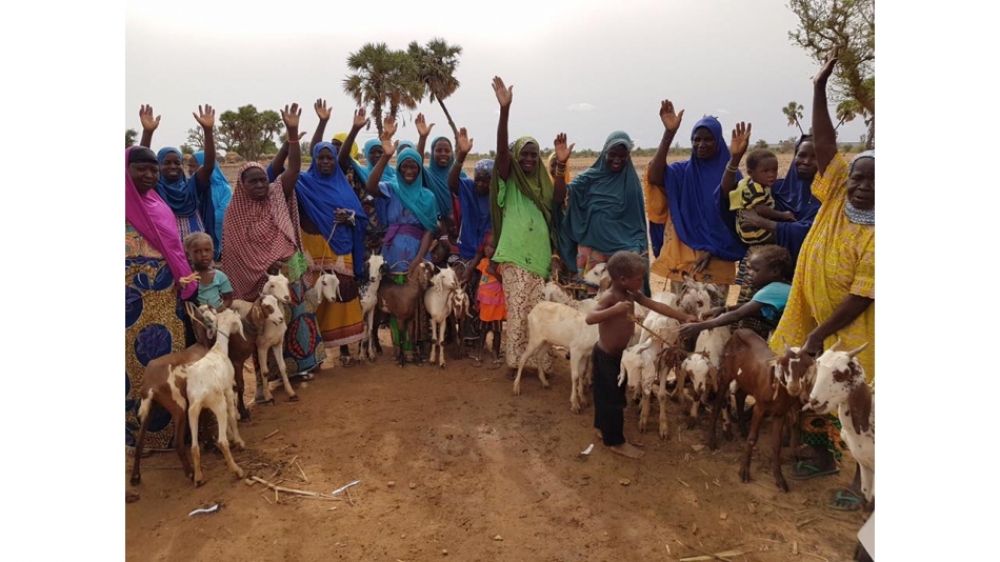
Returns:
point(858, 216)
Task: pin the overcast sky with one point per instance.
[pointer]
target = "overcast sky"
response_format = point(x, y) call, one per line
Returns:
point(585, 67)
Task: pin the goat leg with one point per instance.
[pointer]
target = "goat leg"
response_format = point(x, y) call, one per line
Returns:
point(240, 385)
point(260, 370)
point(280, 360)
point(720, 403)
point(644, 412)
point(758, 415)
point(194, 412)
point(779, 478)
point(222, 418)
point(741, 406)
point(661, 398)
point(178, 438)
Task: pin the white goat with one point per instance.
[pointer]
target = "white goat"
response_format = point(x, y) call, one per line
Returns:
point(276, 286)
point(551, 323)
point(702, 367)
point(639, 364)
point(840, 383)
point(695, 297)
point(369, 298)
point(210, 382)
point(272, 339)
point(326, 289)
point(438, 302)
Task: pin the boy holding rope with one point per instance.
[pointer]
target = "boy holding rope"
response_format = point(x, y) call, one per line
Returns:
point(614, 314)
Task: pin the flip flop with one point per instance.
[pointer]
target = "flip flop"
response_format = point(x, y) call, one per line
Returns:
point(845, 500)
point(805, 470)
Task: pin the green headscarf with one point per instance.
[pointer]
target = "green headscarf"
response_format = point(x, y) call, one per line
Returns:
point(537, 187)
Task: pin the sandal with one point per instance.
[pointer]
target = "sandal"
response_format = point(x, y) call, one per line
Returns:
point(845, 500)
point(805, 470)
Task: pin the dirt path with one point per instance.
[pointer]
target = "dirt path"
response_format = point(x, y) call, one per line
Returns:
point(483, 464)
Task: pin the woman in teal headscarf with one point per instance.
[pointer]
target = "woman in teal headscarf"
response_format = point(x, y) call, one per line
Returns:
point(606, 212)
point(437, 170)
point(411, 214)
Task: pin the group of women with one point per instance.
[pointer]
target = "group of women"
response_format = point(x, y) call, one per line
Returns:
point(330, 217)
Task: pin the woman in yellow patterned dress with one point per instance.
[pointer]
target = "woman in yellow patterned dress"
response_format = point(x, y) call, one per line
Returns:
point(833, 291)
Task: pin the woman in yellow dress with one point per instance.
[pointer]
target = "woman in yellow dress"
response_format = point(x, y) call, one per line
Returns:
point(833, 291)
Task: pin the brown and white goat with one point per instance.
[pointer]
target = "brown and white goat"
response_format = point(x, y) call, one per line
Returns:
point(210, 385)
point(272, 339)
point(749, 361)
point(160, 388)
point(695, 297)
point(244, 346)
point(438, 303)
point(702, 369)
point(276, 286)
point(405, 302)
point(840, 383)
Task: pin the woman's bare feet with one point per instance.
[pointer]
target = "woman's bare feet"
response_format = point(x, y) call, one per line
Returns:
point(627, 450)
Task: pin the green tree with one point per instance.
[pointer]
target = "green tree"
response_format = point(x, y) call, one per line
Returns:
point(383, 79)
point(848, 25)
point(187, 149)
point(761, 143)
point(250, 132)
point(793, 112)
point(130, 137)
point(436, 63)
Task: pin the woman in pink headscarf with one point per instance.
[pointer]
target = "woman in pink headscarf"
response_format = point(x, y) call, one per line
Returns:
point(155, 264)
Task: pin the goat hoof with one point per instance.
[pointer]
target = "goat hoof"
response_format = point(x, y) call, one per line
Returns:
point(135, 480)
point(692, 422)
point(745, 475)
point(245, 417)
point(199, 483)
point(781, 483)
point(293, 398)
point(443, 365)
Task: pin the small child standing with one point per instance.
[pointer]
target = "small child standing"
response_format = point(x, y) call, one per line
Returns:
point(754, 193)
point(627, 271)
point(771, 270)
point(490, 297)
point(214, 288)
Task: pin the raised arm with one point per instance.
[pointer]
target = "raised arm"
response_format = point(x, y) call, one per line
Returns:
point(323, 112)
point(388, 148)
point(291, 176)
point(278, 162)
point(738, 146)
point(562, 158)
point(206, 118)
point(824, 135)
point(671, 123)
point(149, 124)
point(423, 130)
point(344, 156)
point(504, 96)
point(464, 148)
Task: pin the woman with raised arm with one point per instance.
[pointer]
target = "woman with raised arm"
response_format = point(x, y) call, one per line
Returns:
point(190, 199)
point(261, 230)
point(436, 174)
point(333, 226)
point(523, 202)
point(156, 274)
point(605, 212)
point(411, 213)
point(474, 198)
point(222, 194)
point(687, 233)
point(833, 291)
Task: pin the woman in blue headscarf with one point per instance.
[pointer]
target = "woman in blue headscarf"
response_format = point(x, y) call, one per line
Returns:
point(411, 213)
point(474, 197)
point(605, 212)
point(437, 170)
point(190, 199)
point(222, 194)
point(688, 235)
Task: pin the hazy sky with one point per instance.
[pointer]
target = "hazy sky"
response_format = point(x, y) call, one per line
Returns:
point(585, 67)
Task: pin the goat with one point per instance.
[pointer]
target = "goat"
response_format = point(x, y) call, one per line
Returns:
point(639, 369)
point(551, 323)
point(695, 297)
point(326, 289)
point(747, 359)
point(161, 388)
point(210, 383)
point(702, 367)
point(243, 346)
point(377, 268)
point(404, 302)
point(438, 302)
point(276, 286)
point(840, 383)
point(272, 338)
point(460, 311)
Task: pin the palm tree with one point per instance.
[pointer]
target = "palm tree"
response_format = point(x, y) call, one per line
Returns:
point(372, 66)
point(847, 111)
point(436, 64)
point(404, 88)
point(793, 111)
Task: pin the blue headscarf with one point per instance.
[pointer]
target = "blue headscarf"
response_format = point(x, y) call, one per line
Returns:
point(183, 196)
point(408, 144)
point(414, 196)
point(794, 194)
point(436, 179)
point(362, 172)
point(320, 195)
point(606, 210)
point(476, 219)
point(222, 193)
point(692, 188)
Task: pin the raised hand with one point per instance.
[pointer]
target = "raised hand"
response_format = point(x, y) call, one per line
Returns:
point(388, 146)
point(205, 117)
point(671, 120)
point(464, 142)
point(827, 69)
point(389, 127)
point(504, 94)
point(360, 118)
point(291, 116)
point(741, 139)
point(322, 111)
point(149, 123)
point(423, 129)
point(562, 151)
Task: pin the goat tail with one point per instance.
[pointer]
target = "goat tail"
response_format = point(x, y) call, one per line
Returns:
point(144, 407)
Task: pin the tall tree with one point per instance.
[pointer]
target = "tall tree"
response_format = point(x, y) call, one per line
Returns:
point(130, 137)
point(373, 65)
point(250, 132)
point(847, 111)
point(403, 86)
point(848, 25)
point(436, 63)
point(793, 111)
